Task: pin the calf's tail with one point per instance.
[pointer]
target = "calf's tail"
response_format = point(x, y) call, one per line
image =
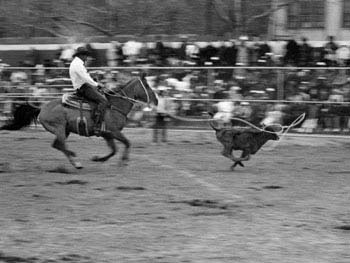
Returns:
point(23, 116)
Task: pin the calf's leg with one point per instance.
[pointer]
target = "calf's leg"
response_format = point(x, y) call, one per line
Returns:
point(245, 156)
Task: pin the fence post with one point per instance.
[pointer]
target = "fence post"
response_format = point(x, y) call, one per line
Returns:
point(280, 84)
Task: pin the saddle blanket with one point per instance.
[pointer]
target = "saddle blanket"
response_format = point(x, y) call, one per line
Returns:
point(73, 100)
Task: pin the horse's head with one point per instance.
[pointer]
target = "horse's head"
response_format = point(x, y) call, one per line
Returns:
point(144, 92)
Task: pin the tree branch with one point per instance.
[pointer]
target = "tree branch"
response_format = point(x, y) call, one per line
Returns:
point(269, 11)
point(81, 22)
point(218, 4)
point(48, 30)
point(98, 10)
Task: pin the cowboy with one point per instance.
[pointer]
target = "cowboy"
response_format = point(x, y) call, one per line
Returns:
point(86, 87)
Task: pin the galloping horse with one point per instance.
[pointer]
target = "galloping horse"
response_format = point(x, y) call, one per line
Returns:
point(61, 119)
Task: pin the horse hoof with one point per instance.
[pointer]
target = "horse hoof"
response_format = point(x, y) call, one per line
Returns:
point(78, 165)
point(123, 163)
point(71, 153)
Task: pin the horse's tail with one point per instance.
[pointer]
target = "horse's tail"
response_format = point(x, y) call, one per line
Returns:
point(23, 116)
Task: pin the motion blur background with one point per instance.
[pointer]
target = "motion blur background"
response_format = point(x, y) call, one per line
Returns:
point(262, 61)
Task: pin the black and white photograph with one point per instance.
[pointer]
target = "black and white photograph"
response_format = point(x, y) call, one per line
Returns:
point(174, 131)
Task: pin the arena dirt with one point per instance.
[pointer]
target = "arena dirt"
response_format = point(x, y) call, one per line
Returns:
point(174, 203)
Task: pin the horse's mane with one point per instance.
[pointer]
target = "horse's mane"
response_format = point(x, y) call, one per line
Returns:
point(122, 86)
point(127, 83)
point(118, 88)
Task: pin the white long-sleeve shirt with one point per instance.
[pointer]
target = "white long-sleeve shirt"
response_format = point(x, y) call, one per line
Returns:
point(79, 75)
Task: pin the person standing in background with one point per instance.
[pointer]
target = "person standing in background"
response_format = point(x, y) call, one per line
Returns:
point(330, 52)
point(161, 118)
point(305, 52)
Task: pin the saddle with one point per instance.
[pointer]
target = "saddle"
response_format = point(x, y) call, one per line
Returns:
point(75, 101)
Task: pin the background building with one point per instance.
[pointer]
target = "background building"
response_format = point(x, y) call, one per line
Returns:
point(315, 19)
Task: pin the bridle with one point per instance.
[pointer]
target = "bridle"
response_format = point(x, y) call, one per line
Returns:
point(126, 97)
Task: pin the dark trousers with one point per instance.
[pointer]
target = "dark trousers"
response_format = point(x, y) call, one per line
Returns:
point(92, 94)
point(160, 127)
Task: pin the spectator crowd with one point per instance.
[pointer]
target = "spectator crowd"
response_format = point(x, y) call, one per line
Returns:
point(235, 91)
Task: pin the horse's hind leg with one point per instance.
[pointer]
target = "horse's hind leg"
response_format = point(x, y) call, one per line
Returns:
point(59, 144)
point(111, 144)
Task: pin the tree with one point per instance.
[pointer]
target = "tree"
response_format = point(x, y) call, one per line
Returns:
point(80, 19)
point(248, 17)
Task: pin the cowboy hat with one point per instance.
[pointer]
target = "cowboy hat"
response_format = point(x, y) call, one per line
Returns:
point(81, 51)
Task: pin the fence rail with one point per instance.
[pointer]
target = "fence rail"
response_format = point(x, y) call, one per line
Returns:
point(59, 95)
point(186, 67)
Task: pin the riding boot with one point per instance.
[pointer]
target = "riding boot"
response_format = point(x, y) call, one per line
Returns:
point(99, 114)
point(97, 124)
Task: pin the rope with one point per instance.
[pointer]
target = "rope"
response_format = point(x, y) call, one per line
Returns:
point(283, 129)
point(188, 119)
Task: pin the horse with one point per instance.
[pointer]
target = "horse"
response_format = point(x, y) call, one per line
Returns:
point(61, 119)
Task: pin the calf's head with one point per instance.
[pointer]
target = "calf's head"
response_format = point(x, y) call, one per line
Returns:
point(270, 134)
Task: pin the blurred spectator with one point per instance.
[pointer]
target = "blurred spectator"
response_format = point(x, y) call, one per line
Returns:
point(228, 55)
point(333, 117)
point(111, 54)
point(206, 53)
point(32, 58)
point(19, 76)
point(273, 115)
point(93, 57)
point(120, 54)
point(330, 52)
point(131, 49)
point(183, 49)
point(216, 53)
point(160, 52)
point(263, 55)
point(342, 55)
point(292, 53)
point(67, 54)
point(305, 53)
point(143, 54)
point(264, 49)
point(192, 54)
point(242, 110)
point(242, 54)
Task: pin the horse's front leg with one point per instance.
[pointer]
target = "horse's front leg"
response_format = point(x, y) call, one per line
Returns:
point(109, 138)
point(120, 137)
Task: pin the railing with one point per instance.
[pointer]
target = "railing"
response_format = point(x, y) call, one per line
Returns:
point(255, 92)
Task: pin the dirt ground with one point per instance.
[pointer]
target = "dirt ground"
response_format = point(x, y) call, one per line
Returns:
point(174, 203)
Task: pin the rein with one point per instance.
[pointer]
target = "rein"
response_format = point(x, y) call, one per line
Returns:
point(126, 97)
